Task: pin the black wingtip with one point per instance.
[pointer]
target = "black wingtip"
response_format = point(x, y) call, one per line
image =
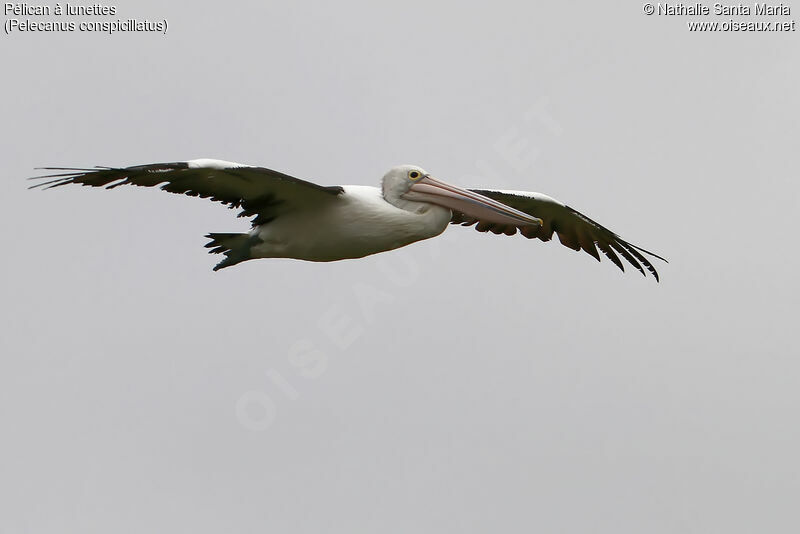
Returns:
point(74, 169)
point(640, 249)
point(223, 264)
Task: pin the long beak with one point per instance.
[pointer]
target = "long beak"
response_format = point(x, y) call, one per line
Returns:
point(429, 189)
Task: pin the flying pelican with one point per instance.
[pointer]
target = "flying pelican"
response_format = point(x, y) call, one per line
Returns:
point(294, 218)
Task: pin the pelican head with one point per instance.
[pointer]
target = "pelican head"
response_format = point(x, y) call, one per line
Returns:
point(412, 188)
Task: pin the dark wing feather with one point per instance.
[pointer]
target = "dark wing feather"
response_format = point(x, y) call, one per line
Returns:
point(574, 229)
point(260, 192)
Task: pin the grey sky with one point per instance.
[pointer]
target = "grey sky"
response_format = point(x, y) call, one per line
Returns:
point(471, 383)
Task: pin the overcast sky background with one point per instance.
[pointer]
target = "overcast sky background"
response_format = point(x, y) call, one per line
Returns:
point(471, 383)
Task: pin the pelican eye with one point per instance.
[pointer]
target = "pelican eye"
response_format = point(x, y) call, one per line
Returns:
point(414, 175)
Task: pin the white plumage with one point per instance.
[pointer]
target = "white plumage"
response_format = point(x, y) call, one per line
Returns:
point(293, 218)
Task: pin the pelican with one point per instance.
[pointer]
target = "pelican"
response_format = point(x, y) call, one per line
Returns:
point(293, 218)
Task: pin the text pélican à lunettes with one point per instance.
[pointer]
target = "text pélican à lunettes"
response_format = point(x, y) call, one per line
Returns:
point(24, 9)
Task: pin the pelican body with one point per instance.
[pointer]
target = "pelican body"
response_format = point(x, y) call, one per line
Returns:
point(365, 224)
point(293, 218)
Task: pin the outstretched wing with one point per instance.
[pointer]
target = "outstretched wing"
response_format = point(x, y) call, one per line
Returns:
point(260, 192)
point(574, 229)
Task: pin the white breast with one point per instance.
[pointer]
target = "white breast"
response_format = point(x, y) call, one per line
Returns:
point(355, 224)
